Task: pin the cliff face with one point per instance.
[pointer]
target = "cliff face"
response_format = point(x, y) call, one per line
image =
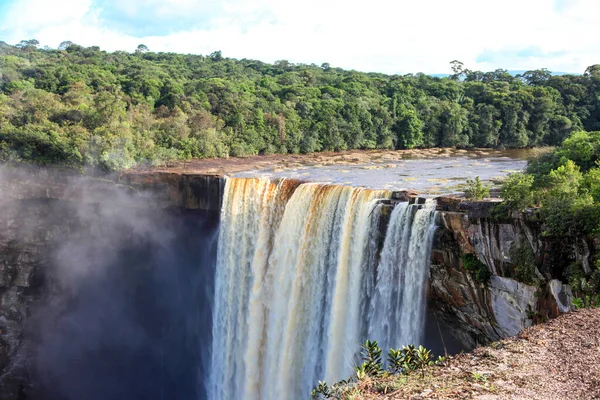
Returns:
point(502, 304)
point(29, 231)
point(57, 229)
point(41, 210)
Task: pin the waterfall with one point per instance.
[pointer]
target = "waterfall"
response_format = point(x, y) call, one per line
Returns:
point(396, 316)
point(299, 284)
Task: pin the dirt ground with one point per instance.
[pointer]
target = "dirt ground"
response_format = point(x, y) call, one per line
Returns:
point(559, 359)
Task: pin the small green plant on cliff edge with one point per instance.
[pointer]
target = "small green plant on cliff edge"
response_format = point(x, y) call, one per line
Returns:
point(372, 364)
point(476, 190)
point(401, 361)
point(478, 270)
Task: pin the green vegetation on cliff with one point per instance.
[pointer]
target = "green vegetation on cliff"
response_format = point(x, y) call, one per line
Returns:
point(563, 190)
point(79, 106)
point(563, 186)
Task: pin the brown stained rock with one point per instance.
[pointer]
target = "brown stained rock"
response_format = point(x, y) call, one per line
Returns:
point(448, 203)
point(457, 224)
point(405, 195)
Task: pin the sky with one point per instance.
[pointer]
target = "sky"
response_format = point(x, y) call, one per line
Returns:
point(389, 36)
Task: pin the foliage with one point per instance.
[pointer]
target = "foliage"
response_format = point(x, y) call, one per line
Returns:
point(478, 270)
point(578, 303)
point(517, 191)
point(401, 361)
point(372, 365)
point(523, 258)
point(563, 186)
point(84, 107)
point(585, 286)
point(475, 190)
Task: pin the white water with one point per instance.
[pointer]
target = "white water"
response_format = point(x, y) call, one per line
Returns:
point(299, 287)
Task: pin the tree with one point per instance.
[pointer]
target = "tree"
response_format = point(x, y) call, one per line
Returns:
point(593, 71)
point(537, 77)
point(476, 190)
point(458, 68)
point(65, 45)
point(216, 55)
point(142, 48)
point(30, 44)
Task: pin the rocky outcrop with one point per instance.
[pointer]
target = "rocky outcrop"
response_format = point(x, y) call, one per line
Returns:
point(189, 191)
point(155, 189)
point(502, 304)
point(40, 210)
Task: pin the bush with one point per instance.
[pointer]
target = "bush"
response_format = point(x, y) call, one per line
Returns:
point(479, 271)
point(517, 191)
point(475, 190)
point(401, 361)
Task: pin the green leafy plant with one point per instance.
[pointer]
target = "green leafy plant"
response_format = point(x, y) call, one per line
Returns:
point(424, 358)
point(585, 286)
point(477, 377)
point(372, 365)
point(322, 391)
point(476, 190)
point(578, 303)
point(402, 360)
point(478, 270)
point(517, 191)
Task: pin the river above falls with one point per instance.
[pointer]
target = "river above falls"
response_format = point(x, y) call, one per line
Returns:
point(433, 171)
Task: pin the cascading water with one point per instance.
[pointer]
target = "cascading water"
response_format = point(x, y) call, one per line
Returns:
point(396, 315)
point(299, 285)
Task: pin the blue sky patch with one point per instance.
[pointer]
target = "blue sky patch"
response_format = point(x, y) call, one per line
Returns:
point(143, 19)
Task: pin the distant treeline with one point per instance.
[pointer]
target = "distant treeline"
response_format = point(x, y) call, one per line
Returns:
point(81, 106)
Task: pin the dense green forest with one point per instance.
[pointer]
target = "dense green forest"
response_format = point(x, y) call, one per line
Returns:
point(81, 106)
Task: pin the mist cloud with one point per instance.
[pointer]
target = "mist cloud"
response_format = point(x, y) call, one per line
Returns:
point(120, 305)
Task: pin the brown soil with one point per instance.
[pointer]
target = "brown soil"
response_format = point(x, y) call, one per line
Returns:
point(556, 360)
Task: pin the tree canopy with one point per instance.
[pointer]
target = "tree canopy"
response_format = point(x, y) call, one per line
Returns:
point(81, 106)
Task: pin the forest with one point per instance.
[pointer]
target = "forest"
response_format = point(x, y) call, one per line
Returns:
point(83, 107)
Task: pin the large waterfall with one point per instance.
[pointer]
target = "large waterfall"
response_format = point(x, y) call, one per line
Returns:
point(300, 284)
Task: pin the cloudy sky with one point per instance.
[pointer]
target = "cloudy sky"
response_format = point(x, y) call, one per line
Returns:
point(391, 36)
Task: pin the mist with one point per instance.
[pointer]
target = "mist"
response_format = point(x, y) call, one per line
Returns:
point(119, 305)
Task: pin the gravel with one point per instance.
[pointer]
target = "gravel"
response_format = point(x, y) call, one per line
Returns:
point(559, 360)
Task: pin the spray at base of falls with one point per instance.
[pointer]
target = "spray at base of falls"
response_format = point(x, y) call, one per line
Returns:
point(300, 285)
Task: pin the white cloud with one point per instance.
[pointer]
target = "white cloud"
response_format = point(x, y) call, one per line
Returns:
point(392, 36)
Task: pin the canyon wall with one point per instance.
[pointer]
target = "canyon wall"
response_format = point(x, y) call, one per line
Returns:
point(40, 209)
point(138, 256)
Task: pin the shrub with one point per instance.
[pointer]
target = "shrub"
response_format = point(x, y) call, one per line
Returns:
point(475, 190)
point(401, 361)
point(479, 271)
point(517, 191)
point(372, 365)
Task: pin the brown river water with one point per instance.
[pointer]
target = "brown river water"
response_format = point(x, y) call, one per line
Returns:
point(430, 172)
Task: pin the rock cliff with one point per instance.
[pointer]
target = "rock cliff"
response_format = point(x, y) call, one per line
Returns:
point(489, 278)
point(42, 212)
point(515, 281)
